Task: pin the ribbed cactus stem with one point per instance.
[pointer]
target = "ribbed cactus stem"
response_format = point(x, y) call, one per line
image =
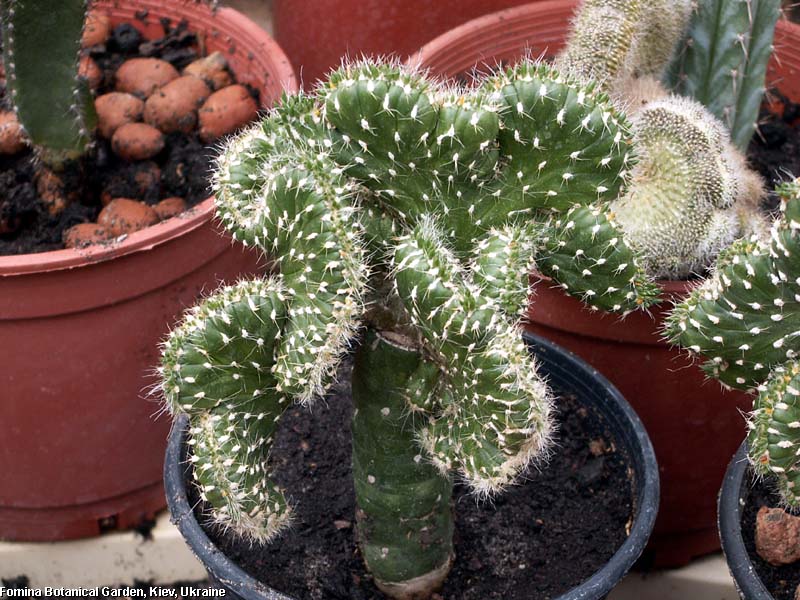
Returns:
point(774, 439)
point(405, 523)
point(723, 63)
point(745, 319)
point(41, 45)
point(216, 367)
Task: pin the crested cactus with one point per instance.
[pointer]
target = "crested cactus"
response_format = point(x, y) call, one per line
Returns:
point(54, 105)
point(691, 193)
point(390, 201)
point(745, 320)
point(723, 61)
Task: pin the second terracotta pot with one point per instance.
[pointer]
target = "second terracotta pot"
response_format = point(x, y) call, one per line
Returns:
point(695, 425)
point(317, 35)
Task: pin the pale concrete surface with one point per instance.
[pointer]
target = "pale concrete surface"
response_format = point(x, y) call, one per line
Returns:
point(117, 558)
point(122, 558)
point(704, 579)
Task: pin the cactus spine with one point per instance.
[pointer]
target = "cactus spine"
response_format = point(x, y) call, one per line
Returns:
point(41, 45)
point(745, 320)
point(723, 61)
point(390, 201)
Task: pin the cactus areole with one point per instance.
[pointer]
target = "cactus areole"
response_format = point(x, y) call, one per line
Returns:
point(414, 211)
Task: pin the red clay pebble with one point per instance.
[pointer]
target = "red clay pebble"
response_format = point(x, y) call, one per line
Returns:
point(115, 109)
point(123, 215)
point(96, 30)
point(85, 234)
point(137, 141)
point(12, 139)
point(213, 69)
point(50, 188)
point(225, 111)
point(89, 70)
point(777, 536)
point(142, 76)
point(169, 207)
point(174, 106)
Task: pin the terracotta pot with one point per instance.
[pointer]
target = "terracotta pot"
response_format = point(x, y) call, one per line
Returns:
point(317, 35)
point(81, 451)
point(695, 425)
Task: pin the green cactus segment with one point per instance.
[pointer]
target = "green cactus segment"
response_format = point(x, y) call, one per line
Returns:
point(230, 448)
point(223, 350)
point(318, 243)
point(585, 251)
point(216, 366)
point(420, 149)
point(296, 205)
point(602, 37)
point(501, 265)
point(745, 319)
point(564, 143)
point(42, 75)
point(774, 439)
point(405, 522)
point(495, 416)
point(681, 208)
point(725, 60)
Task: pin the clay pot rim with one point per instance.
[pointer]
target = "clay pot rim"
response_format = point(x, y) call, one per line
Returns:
point(160, 233)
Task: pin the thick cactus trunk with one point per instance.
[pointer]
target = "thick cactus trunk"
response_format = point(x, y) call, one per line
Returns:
point(41, 44)
point(405, 525)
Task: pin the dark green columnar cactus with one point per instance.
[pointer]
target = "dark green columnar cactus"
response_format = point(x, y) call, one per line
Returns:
point(393, 203)
point(41, 45)
point(723, 60)
point(745, 320)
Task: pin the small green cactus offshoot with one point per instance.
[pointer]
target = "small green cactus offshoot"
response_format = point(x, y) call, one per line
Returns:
point(386, 191)
point(722, 61)
point(41, 46)
point(745, 320)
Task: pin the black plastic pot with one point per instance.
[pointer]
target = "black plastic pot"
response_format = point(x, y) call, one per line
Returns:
point(731, 503)
point(564, 371)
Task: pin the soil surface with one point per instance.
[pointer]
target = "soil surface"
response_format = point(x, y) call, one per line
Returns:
point(184, 164)
point(775, 148)
point(537, 540)
point(780, 581)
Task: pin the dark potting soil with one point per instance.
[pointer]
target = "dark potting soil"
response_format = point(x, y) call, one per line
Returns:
point(775, 148)
point(539, 539)
point(780, 581)
point(181, 169)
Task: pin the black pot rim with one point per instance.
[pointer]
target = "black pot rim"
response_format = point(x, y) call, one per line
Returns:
point(613, 406)
point(730, 505)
